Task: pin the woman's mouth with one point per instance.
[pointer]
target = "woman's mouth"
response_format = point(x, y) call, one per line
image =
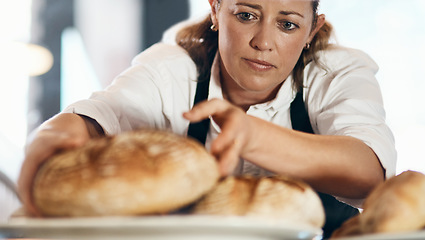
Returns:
point(259, 65)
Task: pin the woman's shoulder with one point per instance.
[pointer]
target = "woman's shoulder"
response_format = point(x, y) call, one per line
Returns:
point(165, 61)
point(337, 57)
point(162, 53)
point(337, 68)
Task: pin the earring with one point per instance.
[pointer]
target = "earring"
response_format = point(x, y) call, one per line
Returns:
point(307, 46)
point(214, 28)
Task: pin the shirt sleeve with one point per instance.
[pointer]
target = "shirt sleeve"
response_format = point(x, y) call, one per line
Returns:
point(344, 98)
point(143, 95)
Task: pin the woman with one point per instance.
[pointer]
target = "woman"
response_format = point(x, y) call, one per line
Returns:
point(253, 57)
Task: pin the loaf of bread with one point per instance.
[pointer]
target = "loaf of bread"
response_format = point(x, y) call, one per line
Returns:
point(134, 173)
point(397, 205)
point(277, 199)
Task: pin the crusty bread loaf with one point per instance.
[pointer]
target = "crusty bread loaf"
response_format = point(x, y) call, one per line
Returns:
point(278, 199)
point(134, 173)
point(397, 205)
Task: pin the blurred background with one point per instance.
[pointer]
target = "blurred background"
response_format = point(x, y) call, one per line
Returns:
point(54, 52)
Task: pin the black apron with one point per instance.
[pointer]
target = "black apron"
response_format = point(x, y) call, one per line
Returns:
point(336, 211)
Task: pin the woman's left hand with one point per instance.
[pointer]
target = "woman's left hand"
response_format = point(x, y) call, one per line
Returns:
point(235, 135)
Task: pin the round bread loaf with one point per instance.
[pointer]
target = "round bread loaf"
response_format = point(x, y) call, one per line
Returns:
point(396, 205)
point(276, 199)
point(134, 173)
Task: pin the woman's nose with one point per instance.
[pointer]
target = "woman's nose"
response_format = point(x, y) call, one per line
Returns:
point(262, 40)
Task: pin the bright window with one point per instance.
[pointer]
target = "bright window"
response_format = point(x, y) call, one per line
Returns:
point(15, 17)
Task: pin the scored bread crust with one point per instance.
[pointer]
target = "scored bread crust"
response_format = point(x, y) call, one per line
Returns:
point(277, 199)
point(396, 205)
point(134, 173)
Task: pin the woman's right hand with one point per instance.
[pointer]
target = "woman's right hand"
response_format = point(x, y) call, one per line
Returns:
point(64, 131)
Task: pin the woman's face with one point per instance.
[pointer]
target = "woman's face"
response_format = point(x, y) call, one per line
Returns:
point(260, 42)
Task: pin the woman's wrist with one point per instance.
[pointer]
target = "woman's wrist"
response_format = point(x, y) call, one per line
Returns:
point(93, 127)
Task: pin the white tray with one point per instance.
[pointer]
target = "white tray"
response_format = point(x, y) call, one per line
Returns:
point(155, 228)
point(416, 235)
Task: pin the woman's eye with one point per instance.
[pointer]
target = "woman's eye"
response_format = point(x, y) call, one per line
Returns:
point(288, 26)
point(245, 16)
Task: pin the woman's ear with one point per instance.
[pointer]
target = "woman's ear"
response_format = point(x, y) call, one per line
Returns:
point(321, 19)
point(214, 10)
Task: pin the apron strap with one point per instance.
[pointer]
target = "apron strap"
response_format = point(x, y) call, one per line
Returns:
point(199, 130)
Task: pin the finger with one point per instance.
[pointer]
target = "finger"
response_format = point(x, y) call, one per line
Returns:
point(222, 142)
point(206, 109)
point(37, 154)
point(25, 186)
point(28, 171)
point(229, 132)
point(229, 158)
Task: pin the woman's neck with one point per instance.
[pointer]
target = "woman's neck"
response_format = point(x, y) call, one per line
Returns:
point(243, 98)
point(238, 96)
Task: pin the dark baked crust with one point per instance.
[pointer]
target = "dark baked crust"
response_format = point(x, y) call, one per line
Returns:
point(141, 172)
point(277, 199)
point(397, 205)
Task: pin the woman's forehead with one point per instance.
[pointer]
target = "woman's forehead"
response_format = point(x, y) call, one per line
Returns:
point(270, 1)
point(303, 7)
point(300, 4)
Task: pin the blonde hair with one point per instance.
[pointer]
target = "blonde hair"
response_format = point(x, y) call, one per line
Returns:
point(202, 43)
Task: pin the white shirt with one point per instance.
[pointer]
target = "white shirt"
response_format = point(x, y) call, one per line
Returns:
point(342, 99)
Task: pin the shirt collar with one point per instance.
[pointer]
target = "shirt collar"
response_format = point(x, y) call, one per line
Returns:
point(283, 99)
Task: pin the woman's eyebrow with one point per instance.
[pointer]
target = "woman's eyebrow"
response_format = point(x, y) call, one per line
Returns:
point(286, 13)
point(259, 7)
point(255, 6)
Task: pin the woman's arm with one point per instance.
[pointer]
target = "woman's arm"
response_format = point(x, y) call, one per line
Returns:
point(339, 165)
point(63, 131)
